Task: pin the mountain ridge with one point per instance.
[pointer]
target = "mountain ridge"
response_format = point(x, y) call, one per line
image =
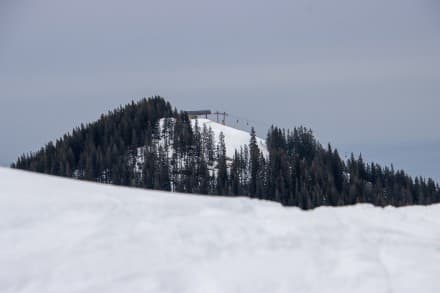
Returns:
point(151, 145)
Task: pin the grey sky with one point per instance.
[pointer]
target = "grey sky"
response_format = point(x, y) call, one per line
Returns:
point(363, 74)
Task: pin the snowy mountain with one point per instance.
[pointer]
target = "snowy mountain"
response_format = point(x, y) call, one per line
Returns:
point(234, 138)
point(64, 235)
point(149, 144)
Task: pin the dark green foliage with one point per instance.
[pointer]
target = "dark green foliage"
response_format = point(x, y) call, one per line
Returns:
point(99, 151)
point(300, 172)
point(222, 169)
point(129, 147)
point(254, 163)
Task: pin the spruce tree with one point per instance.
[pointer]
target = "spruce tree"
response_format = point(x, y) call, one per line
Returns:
point(222, 173)
point(254, 163)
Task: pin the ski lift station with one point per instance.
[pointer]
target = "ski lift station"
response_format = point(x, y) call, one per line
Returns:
point(198, 113)
point(220, 117)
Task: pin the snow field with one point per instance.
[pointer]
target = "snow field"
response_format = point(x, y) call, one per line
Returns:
point(63, 235)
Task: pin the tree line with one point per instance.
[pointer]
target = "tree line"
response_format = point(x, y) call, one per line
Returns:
point(149, 144)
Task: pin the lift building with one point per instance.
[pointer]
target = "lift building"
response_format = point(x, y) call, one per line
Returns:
point(198, 113)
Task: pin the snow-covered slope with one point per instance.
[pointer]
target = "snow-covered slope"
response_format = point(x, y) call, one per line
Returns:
point(234, 138)
point(60, 235)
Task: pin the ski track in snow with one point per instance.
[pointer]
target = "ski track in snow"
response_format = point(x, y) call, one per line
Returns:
point(62, 235)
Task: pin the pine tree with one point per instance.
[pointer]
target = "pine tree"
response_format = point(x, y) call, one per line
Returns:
point(235, 174)
point(222, 173)
point(254, 163)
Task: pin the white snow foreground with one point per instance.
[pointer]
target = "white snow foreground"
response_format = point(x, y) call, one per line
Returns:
point(61, 235)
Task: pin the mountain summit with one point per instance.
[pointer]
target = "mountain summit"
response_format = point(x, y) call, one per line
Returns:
point(151, 145)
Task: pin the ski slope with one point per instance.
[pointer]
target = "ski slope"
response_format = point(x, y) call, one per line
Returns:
point(61, 235)
point(234, 138)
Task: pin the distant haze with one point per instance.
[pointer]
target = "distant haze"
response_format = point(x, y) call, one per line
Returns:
point(364, 75)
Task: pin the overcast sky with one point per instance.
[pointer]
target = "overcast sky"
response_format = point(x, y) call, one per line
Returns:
point(365, 75)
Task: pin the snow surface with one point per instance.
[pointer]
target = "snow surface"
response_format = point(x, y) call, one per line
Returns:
point(234, 138)
point(63, 235)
